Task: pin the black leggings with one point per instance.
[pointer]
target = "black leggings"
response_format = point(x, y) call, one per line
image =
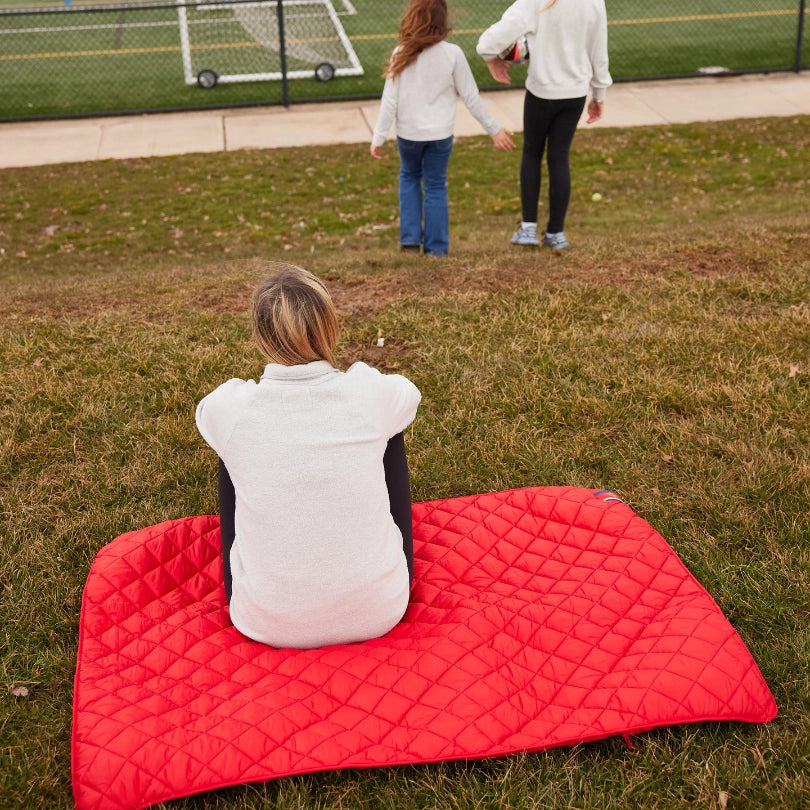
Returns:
point(395, 463)
point(552, 123)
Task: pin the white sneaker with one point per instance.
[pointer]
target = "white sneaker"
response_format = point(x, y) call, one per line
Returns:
point(556, 241)
point(525, 236)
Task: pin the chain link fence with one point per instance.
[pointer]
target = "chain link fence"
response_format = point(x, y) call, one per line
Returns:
point(89, 58)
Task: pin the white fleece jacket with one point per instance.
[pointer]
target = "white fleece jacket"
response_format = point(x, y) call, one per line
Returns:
point(421, 101)
point(317, 557)
point(568, 53)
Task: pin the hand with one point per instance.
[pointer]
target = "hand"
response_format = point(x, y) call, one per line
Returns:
point(503, 141)
point(594, 111)
point(376, 152)
point(499, 70)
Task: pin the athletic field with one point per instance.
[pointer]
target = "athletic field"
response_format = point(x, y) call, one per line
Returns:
point(86, 57)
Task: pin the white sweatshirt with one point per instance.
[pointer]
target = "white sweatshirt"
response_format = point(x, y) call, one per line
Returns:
point(567, 46)
point(317, 557)
point(421, 101)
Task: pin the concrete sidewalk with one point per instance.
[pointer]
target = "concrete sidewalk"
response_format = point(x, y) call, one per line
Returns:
point(674, 101)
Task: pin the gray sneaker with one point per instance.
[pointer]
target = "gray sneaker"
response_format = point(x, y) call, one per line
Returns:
point(556, 241)
point(525, 236)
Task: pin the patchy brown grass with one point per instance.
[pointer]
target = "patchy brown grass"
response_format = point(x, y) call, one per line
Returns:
point(665, 356)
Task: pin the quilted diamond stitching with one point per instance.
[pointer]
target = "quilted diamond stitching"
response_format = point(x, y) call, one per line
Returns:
point(539, 617)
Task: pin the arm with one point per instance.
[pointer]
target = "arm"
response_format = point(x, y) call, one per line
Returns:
point(385, 118)
point(215, 413)
point(516, 21)
point(405, 399)
point(502, 140)
point(468, 92)
point(594, 111)
point(394, 398)
point(499, 70)
point(598, 55)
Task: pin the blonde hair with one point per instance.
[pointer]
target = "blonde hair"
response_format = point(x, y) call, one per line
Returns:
point(294, 319)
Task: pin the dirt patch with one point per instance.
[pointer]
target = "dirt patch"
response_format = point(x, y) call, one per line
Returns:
point(379, 283)
point(234, 300)
point(708, 263)
point(427, 279)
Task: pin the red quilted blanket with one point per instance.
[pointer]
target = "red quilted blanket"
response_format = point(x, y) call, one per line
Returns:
point(539, 617)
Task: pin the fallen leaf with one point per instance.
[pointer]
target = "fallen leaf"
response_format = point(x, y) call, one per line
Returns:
point(794, 370)
point(722, 799)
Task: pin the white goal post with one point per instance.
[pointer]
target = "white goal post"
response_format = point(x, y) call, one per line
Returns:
point(241, 41)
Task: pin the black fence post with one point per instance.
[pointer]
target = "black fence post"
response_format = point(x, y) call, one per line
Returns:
point(282, 51)
point(799, 37)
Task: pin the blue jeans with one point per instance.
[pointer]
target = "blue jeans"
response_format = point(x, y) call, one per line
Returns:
point(424, 163)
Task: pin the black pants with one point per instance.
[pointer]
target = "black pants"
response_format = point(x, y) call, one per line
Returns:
point(548, 125)
point(397, 479)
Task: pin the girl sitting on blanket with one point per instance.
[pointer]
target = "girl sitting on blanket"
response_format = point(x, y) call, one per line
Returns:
point(314, 492)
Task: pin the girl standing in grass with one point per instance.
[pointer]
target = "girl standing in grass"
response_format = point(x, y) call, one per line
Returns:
point(314, 493)
point(422, 81)
point(567, 57)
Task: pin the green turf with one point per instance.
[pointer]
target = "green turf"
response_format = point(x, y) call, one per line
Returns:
point(75, 61)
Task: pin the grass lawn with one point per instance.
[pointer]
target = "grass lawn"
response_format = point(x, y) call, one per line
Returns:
point(665, 355)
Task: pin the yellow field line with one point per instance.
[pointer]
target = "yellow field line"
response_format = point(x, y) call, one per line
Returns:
point(162, 49)
point(63, 54)
point(700, 17)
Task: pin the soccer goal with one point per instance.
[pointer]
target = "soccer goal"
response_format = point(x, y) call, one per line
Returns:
point(242, 41)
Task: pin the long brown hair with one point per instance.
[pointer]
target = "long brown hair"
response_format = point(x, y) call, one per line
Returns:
point(424, 24)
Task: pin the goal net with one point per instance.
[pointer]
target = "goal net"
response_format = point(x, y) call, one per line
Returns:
point(242, 41)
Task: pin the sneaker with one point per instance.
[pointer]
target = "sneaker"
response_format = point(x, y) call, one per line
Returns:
point(556, 241)
point(525, 236)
